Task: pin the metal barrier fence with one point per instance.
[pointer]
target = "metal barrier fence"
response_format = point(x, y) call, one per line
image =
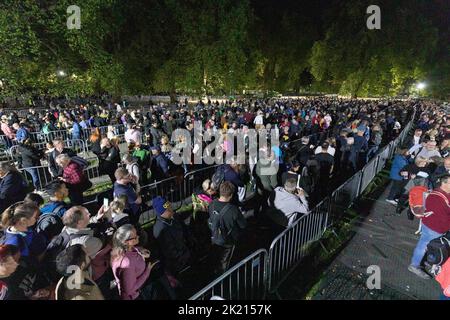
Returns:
point(291, 246)
point(79, 146)
point(178, 189)
point(245, 281)
point(195, 178)
point(343, 197)
point(41, 137)
point(43, 176)
point(368, 173)
point(170, 188)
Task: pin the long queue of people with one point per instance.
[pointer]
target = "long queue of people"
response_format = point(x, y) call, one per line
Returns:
point(420, 175)
point(44, 244)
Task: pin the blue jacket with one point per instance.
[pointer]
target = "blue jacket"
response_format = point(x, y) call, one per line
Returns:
point(21, 135)
point(398, 163)
point(360, 144)
point(51, 206)
point(13, 188)
point(162, 163)
point(232, 176)
point(76, 131)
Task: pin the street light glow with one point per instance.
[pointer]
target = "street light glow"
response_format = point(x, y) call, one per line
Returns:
point(421, 85)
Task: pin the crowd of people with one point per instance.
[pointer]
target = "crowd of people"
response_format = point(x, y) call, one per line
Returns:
point(420, 175)
point(56, 248)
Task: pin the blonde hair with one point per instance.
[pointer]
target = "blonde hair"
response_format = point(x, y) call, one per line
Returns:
point(62, 158)
point(420, 160)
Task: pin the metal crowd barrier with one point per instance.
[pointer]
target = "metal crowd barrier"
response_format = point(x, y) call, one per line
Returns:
point(194, 179)
point(342, 198)
point(291, 246)
point(79, 146)
point(170, 188)
point(44, 176)
point(245, 281)
point(368, 173)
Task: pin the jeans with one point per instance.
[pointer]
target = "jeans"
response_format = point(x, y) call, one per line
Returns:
point(396, 189)
point(421, 247)
point(444, 297)
point(34, 177)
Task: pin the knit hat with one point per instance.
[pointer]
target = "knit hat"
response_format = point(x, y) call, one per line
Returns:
point(160, 205)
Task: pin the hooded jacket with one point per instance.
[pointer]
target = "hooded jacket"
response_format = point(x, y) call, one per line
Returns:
point(289, 204)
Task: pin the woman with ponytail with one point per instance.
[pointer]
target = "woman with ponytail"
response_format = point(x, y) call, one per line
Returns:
point(17, 222)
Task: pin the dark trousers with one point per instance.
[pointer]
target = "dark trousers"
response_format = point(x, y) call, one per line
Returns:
point(157, 286)
point(223, 256)
point(396, 189)
point(76, 195)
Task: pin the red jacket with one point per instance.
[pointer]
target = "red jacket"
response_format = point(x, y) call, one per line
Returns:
point(73, 173)
point(439, 221)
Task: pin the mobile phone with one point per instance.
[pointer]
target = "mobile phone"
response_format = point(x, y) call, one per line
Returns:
point(105, 203)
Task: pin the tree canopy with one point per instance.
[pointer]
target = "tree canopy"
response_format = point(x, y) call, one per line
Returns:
point(223, 47)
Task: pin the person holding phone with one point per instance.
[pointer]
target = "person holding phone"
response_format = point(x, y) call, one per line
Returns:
point(133, 268)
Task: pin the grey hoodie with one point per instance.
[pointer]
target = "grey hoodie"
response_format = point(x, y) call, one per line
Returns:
point(290, 204)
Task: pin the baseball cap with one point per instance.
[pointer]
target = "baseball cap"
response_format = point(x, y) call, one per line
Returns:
point(160, 204)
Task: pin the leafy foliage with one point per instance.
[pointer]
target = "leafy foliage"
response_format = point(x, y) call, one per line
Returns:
point(222, 47)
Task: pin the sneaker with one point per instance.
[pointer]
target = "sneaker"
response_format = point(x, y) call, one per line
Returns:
point(393, 202)
point(419, 272)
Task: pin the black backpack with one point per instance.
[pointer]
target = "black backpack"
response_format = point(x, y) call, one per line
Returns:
point(219, 176)
point(438, 251)
point(57, 245)
point(219, 234)
point(50, 223)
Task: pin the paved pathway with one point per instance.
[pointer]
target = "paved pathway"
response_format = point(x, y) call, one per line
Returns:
point(386, 240)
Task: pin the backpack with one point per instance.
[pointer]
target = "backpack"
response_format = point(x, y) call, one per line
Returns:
point(56, 246)
point(219, 176)
point(80, 161)
point(219, 234)
point(438, 252)
point(50, 219)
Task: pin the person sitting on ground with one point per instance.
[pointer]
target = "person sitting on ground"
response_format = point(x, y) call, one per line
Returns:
point(72, 260)
point(50, 221)
point(288, 200)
